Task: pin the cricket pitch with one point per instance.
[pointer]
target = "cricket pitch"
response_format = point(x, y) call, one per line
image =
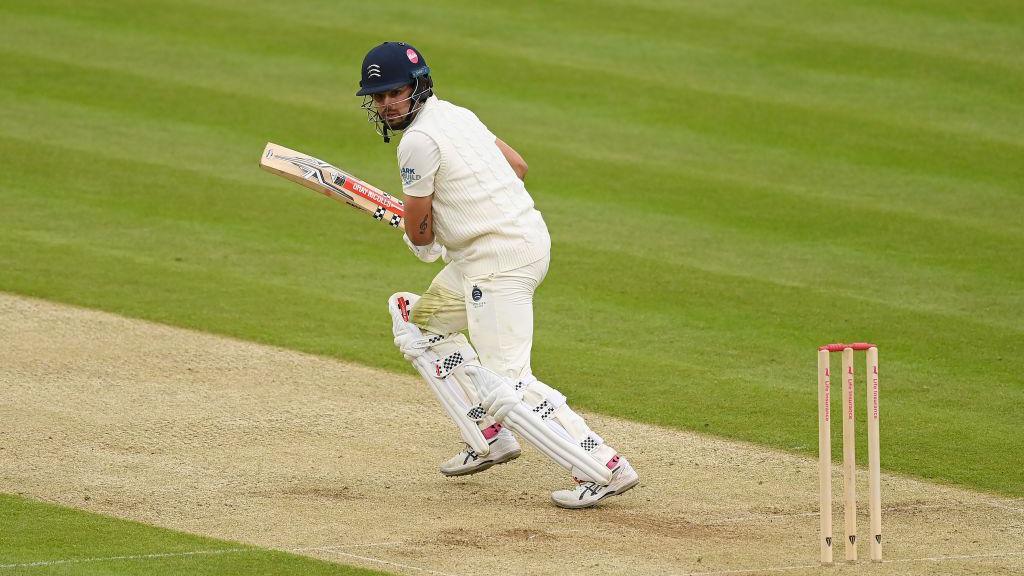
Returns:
point(285, 450)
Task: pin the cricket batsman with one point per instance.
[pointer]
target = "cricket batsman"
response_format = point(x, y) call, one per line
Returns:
point(466, 203)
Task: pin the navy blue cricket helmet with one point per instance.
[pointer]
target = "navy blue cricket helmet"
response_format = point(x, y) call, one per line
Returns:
point(391, 65)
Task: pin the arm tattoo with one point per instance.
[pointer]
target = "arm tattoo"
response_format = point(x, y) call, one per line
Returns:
point(423, 225)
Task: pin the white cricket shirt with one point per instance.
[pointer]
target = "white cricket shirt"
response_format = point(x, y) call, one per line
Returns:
point(483, 214)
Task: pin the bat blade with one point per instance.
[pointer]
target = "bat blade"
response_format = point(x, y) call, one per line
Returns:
point(333, 182)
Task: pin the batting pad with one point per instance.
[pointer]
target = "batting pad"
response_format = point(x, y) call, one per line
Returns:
point(441, 365)
point(546, 421)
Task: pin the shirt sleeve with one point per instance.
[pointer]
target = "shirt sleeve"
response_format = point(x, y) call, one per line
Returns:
point(419, 158)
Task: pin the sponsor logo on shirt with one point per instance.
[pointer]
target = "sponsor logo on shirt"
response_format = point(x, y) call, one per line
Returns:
point(409, 176)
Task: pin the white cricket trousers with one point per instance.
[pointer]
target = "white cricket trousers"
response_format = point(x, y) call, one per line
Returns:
point(497, 309)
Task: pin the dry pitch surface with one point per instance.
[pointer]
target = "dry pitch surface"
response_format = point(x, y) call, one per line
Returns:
point(285, 450)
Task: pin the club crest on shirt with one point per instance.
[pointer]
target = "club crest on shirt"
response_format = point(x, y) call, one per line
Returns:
point(478, 297)
point(409, 176)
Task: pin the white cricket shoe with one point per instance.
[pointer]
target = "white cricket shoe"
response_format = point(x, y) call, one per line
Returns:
point(587, 494)
point(503, 448)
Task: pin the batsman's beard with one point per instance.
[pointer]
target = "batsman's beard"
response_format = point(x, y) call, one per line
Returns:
point(383, 125)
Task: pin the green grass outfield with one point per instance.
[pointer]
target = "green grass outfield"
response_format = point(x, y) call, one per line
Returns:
point(41, 539)
point(728, 185)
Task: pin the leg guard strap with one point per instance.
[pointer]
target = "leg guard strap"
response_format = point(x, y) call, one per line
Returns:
point(538, 418)
point(442, 366)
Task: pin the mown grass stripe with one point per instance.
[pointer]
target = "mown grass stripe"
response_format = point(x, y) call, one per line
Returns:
point(44, 538)
point(714, 176)
point(671, 80)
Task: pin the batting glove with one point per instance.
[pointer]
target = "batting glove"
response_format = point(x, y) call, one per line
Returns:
point(411, 345)
point(428, 253)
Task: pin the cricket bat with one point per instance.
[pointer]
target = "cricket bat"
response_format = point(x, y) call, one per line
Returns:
point(333, 182)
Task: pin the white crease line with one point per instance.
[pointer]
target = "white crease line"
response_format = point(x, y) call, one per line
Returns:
point(43, 563)
point(739, 519)
point(138, 557)
point(336, 550)
point(751, 570)
point(896, 561)
point(389, 563)
point(340, 546)
point(961, 557)
point(1002, 506)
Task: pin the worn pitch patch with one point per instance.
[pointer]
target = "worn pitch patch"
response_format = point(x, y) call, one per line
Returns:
point(290, 451)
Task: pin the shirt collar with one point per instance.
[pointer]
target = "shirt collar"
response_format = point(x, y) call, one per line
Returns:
point(430, 103)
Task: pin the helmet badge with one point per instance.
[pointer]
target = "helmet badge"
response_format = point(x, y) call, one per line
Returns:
point(373, 71)
point(413, 57)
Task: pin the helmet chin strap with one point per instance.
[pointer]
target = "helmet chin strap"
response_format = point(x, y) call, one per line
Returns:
point(406, 119)
point(416, 100)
